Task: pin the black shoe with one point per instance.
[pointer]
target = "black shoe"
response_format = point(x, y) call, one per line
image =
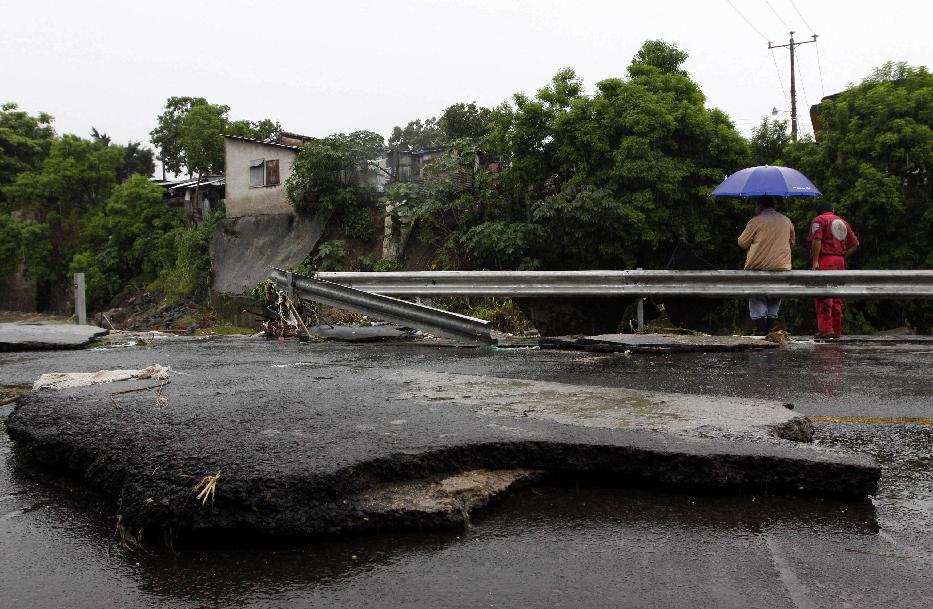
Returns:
point(760, 326)
point(769, 325)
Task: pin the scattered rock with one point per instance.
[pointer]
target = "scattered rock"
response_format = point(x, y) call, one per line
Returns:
point(798, 429)
point(778, 336)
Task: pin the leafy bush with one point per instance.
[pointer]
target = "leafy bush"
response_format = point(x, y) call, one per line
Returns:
point(186, 262)
point(125, 240)
point(504, 315)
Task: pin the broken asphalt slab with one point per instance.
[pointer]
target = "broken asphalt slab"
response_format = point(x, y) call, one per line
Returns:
point(360, 334)
point(42, 336)
point(655, 343)
point(311, 442)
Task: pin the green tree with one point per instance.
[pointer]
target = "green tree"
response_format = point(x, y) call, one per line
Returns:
point(167, 135)
point(328, 172)
point(189, 134)
point(417, 135)
point(461, 121)
point(201, 138)
point(25, 141)
point(458, 121)
point(265, 130)
point(136, 158)
point(621, 176)
point(768, 141)
point(121, 240)
point(872, 160)
point(76, 175)
point(659, 54)
point(610, 180)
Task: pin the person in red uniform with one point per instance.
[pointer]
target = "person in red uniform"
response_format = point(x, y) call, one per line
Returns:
point(831, 241)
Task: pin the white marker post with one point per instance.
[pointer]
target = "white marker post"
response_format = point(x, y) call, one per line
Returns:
point(80, 307)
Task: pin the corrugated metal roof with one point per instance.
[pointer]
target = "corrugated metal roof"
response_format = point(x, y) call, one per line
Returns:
point(208, 181)
point(252, 141)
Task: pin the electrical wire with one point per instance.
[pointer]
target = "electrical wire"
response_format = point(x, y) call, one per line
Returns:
point(819, 60)
point(806, 101)
point(819, 66)
point(796, 10)
point(780, 78)
point(776, 15)
point(744, 18)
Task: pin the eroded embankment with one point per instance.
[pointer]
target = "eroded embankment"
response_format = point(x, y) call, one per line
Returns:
point(331, 481)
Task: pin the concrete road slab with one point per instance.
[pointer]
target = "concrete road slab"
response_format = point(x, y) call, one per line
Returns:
point(41, 336)
point(655, 343)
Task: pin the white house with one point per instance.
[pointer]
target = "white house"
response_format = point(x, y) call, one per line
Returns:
point(255, 174)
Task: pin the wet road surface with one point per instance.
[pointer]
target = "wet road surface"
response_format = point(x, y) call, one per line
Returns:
point(543, 547)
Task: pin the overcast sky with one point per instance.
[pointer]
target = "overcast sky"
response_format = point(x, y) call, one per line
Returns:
point(325, 67)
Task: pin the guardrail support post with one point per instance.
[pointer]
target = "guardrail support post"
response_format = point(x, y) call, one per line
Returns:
point(640, 312)
point(80, 306)
point(290, 285)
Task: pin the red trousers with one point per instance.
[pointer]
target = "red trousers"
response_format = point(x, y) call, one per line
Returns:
point(829, 310)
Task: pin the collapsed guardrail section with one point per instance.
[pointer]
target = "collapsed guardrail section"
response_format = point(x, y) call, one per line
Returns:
point(379, 306)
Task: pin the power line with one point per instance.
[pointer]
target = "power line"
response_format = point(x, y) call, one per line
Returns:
point(819, 60)
point(796, 10)
point(776, 14)
point(744, 18)
point(803, 84)
point(780, 78)
point(819, 66)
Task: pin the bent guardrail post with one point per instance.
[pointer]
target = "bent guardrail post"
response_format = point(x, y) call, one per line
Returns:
point(377, 306)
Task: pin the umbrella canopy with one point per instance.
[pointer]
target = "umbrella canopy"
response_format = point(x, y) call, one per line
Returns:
point(766, 180)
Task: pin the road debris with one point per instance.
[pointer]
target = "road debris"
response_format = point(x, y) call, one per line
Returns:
point(69, 380)
point(206, 488)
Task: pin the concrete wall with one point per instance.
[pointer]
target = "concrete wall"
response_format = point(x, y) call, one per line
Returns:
point(245, 200)
point(244, 249)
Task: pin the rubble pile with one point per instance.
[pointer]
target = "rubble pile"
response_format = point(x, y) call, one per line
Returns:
point(147, 311)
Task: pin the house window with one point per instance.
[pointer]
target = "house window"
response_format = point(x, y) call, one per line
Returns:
point(257, 173)
point(272, 172)
point(264, 172)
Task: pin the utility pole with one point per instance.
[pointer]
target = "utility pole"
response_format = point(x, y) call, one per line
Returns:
point(793, 82)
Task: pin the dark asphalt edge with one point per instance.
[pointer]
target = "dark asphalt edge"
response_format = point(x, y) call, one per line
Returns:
point(152, 497)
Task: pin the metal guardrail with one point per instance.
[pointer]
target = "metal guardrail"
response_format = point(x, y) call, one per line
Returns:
point(643, 283)
point(378, 306)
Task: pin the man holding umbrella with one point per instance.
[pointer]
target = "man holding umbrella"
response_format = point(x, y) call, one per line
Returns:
point(769, 236)
point(831, 241)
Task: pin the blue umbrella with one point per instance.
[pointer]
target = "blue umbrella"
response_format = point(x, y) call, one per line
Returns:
point(766, 180)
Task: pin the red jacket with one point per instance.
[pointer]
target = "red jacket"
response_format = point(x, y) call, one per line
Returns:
point(835, 235)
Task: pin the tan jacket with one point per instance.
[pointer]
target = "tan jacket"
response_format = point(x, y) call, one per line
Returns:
point(768, 238)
